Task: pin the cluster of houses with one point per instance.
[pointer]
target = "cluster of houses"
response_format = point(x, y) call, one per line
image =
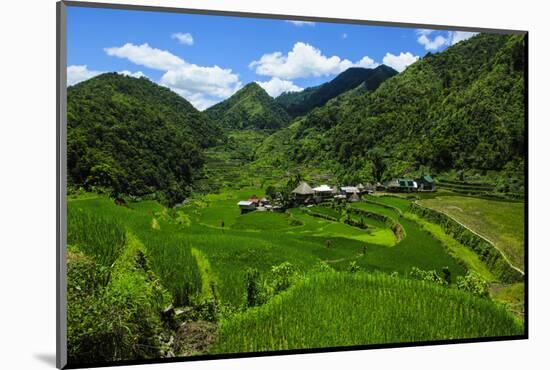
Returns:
point(305, 194)
point(255, 204)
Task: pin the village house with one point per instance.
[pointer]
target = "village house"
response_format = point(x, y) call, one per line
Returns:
point(246, 206)
point(402, 185)
point(303, 193)
point(425, 183)
point(322, 192)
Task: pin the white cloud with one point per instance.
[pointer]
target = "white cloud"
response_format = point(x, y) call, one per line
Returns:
point(79, 73)
point(344, 36)
point(302, 61)
point(366, 62)
point(276, 86)
point(432, 44)
point(442, 39)
point(457, 36)
point(195, 79)
point(301, 23)
point(146, 56)
point(399, 62)
point(183, 38)
point(137, 74)
point(202, 86)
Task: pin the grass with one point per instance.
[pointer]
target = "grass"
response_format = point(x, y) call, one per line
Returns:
point(95, 235)
point(455, 249)
point(262, 240)
point(499, 221)
point(372, 309)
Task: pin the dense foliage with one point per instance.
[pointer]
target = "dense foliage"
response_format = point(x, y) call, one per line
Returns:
point(459, 109)
point(298, 103)
point(250, 107)
point(131, 136)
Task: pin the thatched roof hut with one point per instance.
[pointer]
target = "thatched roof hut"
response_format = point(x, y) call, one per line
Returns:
point(303, 189)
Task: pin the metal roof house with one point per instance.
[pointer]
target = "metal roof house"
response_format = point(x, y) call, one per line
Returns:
point(350, 189)
point(246, 206)
point(402, 185)
point(426, 183)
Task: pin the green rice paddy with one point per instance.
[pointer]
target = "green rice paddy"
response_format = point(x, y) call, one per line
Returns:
point(204, 248)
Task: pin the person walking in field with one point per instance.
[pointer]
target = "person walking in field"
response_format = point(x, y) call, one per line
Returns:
point(222, 224)
point(328, 243)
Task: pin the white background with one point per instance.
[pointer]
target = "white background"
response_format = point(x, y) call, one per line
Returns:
point(27, 182)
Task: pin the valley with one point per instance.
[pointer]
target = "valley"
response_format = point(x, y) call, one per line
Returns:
point(157, 242)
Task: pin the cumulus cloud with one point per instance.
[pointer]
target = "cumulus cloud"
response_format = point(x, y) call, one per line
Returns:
point(202, 86)
point(433, 42)
point(366, 62)
point(399, 62)
point(301, 23)
point(276, 86)
point(137, 74)
point(457, 36)
point(79, 73)
point(302, 61)
point(183, 38)
point(146, 56)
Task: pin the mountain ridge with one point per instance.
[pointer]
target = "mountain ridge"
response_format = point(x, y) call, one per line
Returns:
point(249, 107)
point(302, 102)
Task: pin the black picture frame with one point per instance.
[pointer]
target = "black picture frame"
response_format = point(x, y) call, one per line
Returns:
point(61, 173)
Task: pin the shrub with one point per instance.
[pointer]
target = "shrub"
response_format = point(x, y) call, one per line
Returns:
point(474, 284)
point(253, 288)
point(430, 276)
point(282, 277)
point(353, 267)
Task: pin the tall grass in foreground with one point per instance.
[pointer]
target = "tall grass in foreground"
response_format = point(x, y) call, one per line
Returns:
point(343, 309)
point(174, 263)
point(99, 237)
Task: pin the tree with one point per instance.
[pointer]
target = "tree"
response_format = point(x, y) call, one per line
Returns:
point(271, 192)
point(376, 157)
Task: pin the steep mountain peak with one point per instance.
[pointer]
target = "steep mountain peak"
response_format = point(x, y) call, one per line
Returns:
point(250, 107)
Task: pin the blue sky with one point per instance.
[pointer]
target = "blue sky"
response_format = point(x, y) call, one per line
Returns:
point(207, 58)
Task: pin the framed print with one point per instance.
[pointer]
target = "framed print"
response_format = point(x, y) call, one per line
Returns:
point(235, 184)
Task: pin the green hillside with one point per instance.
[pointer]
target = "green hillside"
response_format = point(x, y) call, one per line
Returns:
point(132, 136)
point(250, 107)
point(459, 109)
point(299, 103)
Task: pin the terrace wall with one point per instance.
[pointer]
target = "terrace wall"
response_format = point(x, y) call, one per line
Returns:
point(489, 254)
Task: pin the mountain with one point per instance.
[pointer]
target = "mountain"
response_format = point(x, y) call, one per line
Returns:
point(132, 136)
point(250, 107)
point(299, 103)
point(459, 109)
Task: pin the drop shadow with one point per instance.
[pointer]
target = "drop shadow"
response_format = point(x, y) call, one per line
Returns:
point(47, 358)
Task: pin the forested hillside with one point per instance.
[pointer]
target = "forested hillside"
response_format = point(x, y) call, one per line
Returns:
point(131, 136)
point(250, 107)
point(459, 109)
point(298, 103)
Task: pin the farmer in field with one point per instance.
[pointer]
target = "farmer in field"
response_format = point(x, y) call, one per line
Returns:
point(328, 243)
point(364, 249)
point(222, 224)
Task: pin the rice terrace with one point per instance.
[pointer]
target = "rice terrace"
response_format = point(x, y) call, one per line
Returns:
point(382, 206)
